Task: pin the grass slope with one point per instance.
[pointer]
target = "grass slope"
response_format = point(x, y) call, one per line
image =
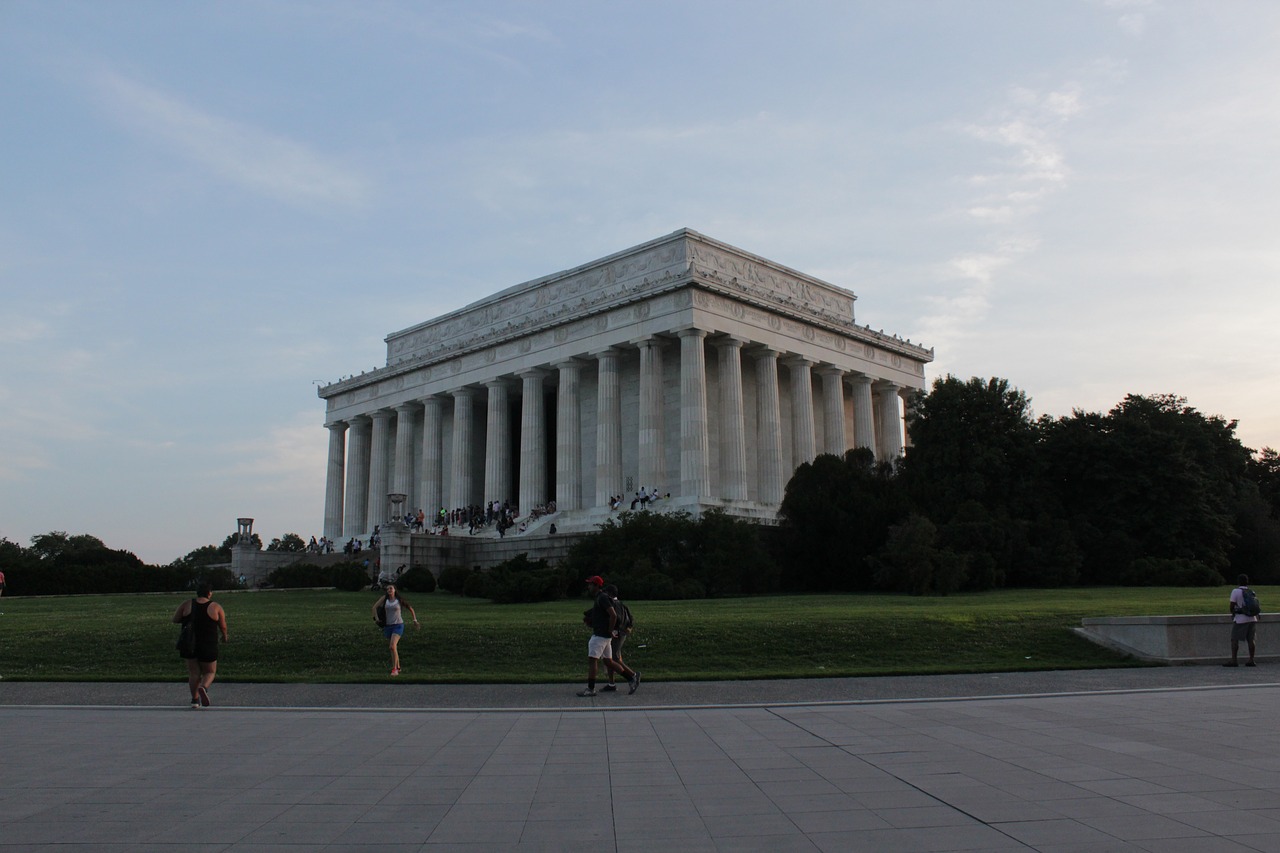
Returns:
point(329, 636)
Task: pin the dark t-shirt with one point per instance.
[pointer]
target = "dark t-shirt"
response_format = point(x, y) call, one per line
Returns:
point(600, 615)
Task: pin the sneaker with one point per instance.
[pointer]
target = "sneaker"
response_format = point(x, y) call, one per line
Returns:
point(395, 671)
point(590, 691)
point(204, 697)
point(635, 682)
point(609, 688)
point(1251, 663)
point(195, 706)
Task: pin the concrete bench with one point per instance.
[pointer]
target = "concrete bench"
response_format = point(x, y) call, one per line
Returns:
point(1179, 639)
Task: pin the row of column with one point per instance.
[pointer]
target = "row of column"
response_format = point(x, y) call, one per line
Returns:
point(363, 502)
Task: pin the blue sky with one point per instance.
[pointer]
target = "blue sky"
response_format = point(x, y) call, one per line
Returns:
point(206, 208)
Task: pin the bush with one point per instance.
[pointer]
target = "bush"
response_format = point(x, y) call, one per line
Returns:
point(454, 579)
point(476, 585)
point(418, 579)
point(299, 576)
point(520, 581)
point(349, 577)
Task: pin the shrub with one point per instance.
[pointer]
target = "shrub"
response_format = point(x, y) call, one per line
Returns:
point(1159, 571)
point(300, 575)
point(520, 580)
point(418, 579)
point(349, 577)
point(454, 579)
point(476, 585)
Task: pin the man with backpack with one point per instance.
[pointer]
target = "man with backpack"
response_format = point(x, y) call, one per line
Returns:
point(1244, 618)
point(603, 619)
point(625, 624)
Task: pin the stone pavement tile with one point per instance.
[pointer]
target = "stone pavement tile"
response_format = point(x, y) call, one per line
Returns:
point(766, 844)
point(1171, 804)
point(976, 838)
point(1194, 845)
point(893, 799)
point(940, 815)
point(1245, 798)
point(1233, 824)
point(453, 830)
point(749, 825)
point(1005, 810)
point(584, 828)
point(683, 844)
point(734, 805)
point(808, 787)
point(1096, 806)
point(284, 832)
point(1115, 845)
point(397, 828)
point(842, 821)
point(800, 803)
point(1059, 831)
point(1128, 786)
point(662, 828)
point(1136, 827)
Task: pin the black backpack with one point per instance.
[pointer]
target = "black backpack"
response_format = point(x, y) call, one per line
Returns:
point(625, 622)
point(1251, 606)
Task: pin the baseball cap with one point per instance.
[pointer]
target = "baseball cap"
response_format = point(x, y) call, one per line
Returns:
point(595, 579)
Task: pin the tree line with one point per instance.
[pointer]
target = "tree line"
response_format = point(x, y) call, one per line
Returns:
point(1152, 492)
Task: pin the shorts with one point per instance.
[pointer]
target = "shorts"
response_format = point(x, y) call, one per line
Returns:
point(205, 653)
point(397, 629)
point(599, 648)
point(615, 645)
point(1244, 631)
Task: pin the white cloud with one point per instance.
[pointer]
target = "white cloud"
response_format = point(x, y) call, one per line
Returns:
point(256, 159)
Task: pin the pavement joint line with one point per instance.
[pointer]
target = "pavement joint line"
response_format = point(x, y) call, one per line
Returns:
point(347, 709)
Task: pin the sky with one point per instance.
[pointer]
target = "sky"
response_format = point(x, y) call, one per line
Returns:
point(208, 209)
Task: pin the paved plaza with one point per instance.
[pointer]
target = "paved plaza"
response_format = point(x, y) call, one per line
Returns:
point(1162, 759)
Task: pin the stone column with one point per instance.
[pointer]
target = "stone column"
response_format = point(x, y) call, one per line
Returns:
point(355, 517)
point(769, 427)
point(864, 420)
point(460, 491)
point(890, 421)
point(378, 483)
point(733, 430)
point(803, 444)
point(497, 457)
point(333, 479)
point(652, 440)
point(695, 462)
point(608, 427)
point(569, 437)
point(533, 442)
point(432, 490)
point(403, 480)
point(833, 439)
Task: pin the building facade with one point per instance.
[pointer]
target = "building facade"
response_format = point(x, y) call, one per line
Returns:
point(682, 366)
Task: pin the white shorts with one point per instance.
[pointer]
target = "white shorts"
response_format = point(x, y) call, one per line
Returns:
point(600, 648)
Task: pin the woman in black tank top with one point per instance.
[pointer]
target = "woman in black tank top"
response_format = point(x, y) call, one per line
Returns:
point(208, 621)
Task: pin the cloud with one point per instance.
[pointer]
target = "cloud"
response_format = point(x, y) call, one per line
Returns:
point(256, 159)
point(1133, 14)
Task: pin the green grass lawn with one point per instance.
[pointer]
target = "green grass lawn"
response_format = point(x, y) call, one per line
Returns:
point(329, 636)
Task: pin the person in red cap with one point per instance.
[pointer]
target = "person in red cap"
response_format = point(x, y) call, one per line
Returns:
point(603, 619)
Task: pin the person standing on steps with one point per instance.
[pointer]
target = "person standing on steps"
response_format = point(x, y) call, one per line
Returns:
point(209, 621)
point(388, 613)
point(603, 619)
point(1244, 624)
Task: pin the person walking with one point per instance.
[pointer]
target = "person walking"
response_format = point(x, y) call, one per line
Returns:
point(208, 621)
point(603, 618)
point(388, 612)
point(1244, 621)
point(619, 636)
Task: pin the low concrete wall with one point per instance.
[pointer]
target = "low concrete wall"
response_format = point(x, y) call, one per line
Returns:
point(1178, 639)
point(438, 552)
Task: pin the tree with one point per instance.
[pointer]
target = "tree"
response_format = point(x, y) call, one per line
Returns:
point(49, 547)
point(972, 441)
point(291, 543)
point(1154, 478)
point(835, 513)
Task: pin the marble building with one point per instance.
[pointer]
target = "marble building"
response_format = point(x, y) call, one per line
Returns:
point(682, 365)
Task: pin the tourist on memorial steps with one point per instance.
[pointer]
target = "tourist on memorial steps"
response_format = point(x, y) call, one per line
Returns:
point(1244, 624)
point(603, 619)
point(208, 621)
point(387, 613)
